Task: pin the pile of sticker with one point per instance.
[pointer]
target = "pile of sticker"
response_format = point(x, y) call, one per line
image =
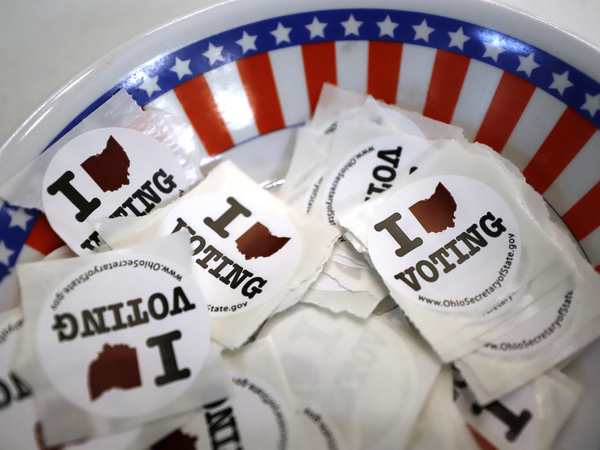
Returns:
point(403, 289)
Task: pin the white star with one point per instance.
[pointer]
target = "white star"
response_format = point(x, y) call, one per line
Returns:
point(181, 68)
point(592, 103)
point(18, 218)
point(458, 39)
point(5, 254)
point(561, 82)
point(281, 34)
point(213, 54)
point(423, 31)
point(492, 51)
point(150, 85)
point(351, 26)
point(387, 27)
point(316, 28)
point(247, 42)
point(527, 64)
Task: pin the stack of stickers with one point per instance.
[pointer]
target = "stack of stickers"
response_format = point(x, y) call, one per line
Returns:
point(403, 289)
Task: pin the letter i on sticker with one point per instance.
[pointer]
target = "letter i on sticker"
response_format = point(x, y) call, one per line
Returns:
point(110, 171)
point(435, 214)
point(256, 242)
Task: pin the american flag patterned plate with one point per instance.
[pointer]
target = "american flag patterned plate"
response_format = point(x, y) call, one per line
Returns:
point(245, 76)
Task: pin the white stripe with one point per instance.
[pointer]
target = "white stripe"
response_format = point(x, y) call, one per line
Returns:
point(288, 70)
point(352, 60)
point(475, 97)
point(591, 245)
point(581, 175)
point(537, 121)
point(415, 74)
point(29, 254)
point(230, 96)
point(169, 103)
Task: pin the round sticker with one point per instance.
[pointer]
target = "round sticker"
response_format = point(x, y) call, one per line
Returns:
point(263, 416)
point(311, 194)
point(243, 252)
point(108, 172)
point(319, 434)
point(372, 169)
point(124, 337)
point(253, 418)
point(17, 409)
point(549, 324)
point(447, 242)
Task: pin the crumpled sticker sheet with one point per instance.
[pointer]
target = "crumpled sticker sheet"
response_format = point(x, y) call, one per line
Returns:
point(63, 421)
point(316, 241)
point(527, 418)
point(25, 188)
point(326, 292)
point(570, 322)
point(389, 370)
point(441, 425)
point(347, 283)
point(456, 333)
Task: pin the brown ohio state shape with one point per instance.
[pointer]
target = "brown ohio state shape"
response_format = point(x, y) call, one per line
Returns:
point(258, 242)
point(110, 168)
point(436, 213)
point(116, 367)
point(176, 440)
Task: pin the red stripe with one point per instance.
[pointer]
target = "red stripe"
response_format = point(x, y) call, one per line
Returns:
point(384, 70)
point(43, 238)
point(319, 68)
point(259, 83)
point(200, 106)
point(507, 106)
point(584, 216)
point(597, 269)
point(568, 136)
point(447, 77)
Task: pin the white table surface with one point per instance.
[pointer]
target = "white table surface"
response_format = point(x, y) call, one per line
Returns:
point(44, 43)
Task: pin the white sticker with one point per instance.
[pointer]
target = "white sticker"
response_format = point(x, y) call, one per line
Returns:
point(122, 337)
point(108, 172)
point(254, 418)
point(243, 253)
point(311, 194)
point(263, 420)
point(319, 434)
point(17, 410)
point(447, 242)
point(372, 169)
point(545, 328)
